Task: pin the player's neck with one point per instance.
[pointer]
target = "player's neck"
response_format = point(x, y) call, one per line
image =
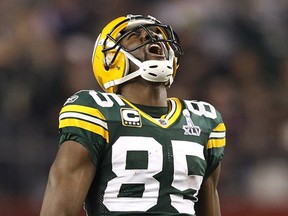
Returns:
point(145, 93)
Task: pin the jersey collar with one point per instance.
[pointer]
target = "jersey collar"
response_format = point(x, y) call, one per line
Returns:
point(165, 121)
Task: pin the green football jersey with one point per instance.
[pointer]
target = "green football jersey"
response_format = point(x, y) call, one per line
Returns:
point(144, 165)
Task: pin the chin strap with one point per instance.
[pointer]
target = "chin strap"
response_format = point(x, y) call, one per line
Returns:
point(150, 70)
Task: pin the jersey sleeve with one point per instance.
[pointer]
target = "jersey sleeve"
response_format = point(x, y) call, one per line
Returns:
point(80, 120)
point(216, 144)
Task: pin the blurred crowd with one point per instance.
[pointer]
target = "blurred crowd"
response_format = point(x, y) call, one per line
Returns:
point(235, 57)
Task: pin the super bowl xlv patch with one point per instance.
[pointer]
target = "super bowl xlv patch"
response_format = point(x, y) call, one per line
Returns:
point(190, 128)
point(130, 117)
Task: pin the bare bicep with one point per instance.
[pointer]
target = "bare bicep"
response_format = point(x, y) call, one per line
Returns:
point(208, 203)
point(69, 179)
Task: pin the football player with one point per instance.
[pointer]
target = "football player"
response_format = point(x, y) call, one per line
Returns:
point(131, 150)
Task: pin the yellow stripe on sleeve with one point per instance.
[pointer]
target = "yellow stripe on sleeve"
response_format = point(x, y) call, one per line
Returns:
point(83, 109)
point(220, 127)
point(84, 125)
point(216, 143)
point(217, 137)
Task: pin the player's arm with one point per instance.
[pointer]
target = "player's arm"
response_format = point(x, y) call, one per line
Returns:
point(69, 180)
point(208, 203)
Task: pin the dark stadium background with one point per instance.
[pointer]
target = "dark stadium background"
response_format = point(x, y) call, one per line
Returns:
point(236, 57)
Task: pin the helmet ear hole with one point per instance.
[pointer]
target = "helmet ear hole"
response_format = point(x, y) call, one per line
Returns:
point(109, 57)
point(116, 61)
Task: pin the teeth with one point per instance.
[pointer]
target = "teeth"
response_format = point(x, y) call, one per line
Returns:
point(155, 45)
point(156, 48)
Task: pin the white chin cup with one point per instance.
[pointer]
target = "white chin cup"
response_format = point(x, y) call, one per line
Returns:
point(156, 70)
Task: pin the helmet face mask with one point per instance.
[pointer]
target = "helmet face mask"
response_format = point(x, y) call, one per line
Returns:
point(111, 59)
point(167, 38)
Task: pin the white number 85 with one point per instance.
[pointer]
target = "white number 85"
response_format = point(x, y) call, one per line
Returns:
point(181, 180)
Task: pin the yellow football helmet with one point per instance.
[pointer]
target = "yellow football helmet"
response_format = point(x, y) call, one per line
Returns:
point(110, 60)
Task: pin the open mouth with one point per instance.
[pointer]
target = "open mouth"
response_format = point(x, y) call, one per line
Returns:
point(155, 49)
